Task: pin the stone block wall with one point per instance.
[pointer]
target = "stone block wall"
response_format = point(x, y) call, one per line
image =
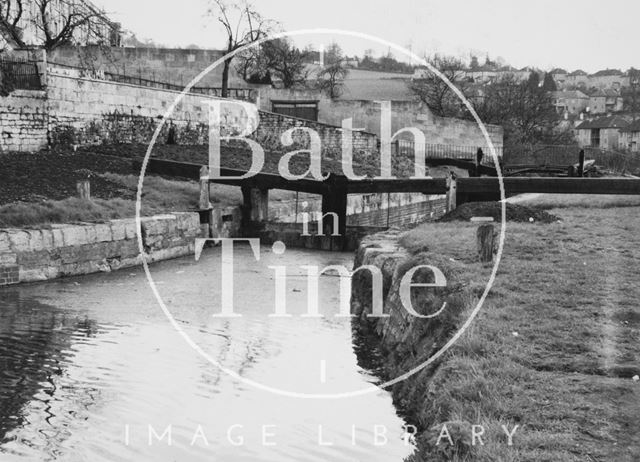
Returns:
point(378, 210)
point(78, 110)
point(272, 126)
point(172, 65)
point(402, 214)
point(28, 255)
point(91, 111)
point(405, 342)
point(366, 116)
point(23, 121)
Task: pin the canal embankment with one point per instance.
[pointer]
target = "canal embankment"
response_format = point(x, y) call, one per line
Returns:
point(29, 255)
point(547, 351)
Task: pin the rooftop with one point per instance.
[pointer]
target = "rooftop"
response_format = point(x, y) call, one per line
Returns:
point(606, 72)
point(606, 92)
point(569, 94)
point(604, 122)
point(632, 127)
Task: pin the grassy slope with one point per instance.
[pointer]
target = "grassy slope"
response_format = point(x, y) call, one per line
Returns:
point(159, 196)
point(570, 291)
point(39, 189)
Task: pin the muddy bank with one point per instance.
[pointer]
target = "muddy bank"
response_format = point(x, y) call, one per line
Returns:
point(405, 341)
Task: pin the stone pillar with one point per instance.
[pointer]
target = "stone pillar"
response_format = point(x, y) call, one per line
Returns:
point(259, 204)
point(452, 192)
point(255, 205)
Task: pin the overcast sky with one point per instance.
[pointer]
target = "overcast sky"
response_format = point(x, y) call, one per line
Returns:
point(572, 34)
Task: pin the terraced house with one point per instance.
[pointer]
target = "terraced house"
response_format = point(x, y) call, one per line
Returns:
point(603, 132)
point(605, 101)
point(630, 137)
point(570, 101)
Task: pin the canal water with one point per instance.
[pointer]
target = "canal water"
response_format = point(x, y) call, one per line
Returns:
point(91, 369)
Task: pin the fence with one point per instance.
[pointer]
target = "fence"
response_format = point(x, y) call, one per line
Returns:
point(16, 74)
point(247, 94)
point(446, 151)
point(562, 156)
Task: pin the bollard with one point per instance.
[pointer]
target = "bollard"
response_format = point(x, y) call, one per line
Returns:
point(486, 243)
point(84, 189)
point(452, 192)
point(205, 189)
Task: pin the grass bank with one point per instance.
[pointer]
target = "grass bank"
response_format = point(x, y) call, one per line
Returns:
point(554, 348)
point(159, 196)
point(40, 189)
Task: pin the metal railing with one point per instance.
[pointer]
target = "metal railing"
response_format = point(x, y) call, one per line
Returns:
point(247, 94)
point(16, 74)
point(554, 155)
point(446, 151)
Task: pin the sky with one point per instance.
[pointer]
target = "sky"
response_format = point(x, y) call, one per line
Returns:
point(572, 34)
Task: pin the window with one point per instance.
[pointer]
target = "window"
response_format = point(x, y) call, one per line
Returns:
point(301, 109)
point(595, 137)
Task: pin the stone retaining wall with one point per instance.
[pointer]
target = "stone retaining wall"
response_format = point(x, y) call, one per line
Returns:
point(23, 121)
point(404, 341)
point(28, 255)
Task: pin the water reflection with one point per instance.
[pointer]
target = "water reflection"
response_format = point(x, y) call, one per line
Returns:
point(90, 368)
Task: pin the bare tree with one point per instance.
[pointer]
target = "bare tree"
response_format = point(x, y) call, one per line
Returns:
point(243, 25)
point(334, 71)
point(57, 21)
point(435, 92)
point(524, 111)
point(285, 62)
point(10, 15)
point(249, 64)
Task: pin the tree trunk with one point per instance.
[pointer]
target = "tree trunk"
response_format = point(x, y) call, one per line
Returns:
point(225, 78)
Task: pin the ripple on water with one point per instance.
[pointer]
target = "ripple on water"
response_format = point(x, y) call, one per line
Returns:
point(76, 369)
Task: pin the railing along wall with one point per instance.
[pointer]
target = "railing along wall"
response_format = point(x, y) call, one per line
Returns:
point(446, 151)
point(562, 155)
point(19, 74)
point(246, 94)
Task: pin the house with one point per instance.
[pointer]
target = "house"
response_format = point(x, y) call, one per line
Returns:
point(488, 74)
point(577, 79)
point(559, 77)
point(570, 102)
point(609, 78)
point(482, 74)
point(605, 101)
point(99, 30)
point(630, 137)
point(603, 132)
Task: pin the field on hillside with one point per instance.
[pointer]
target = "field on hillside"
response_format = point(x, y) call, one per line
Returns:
point(557, 343)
